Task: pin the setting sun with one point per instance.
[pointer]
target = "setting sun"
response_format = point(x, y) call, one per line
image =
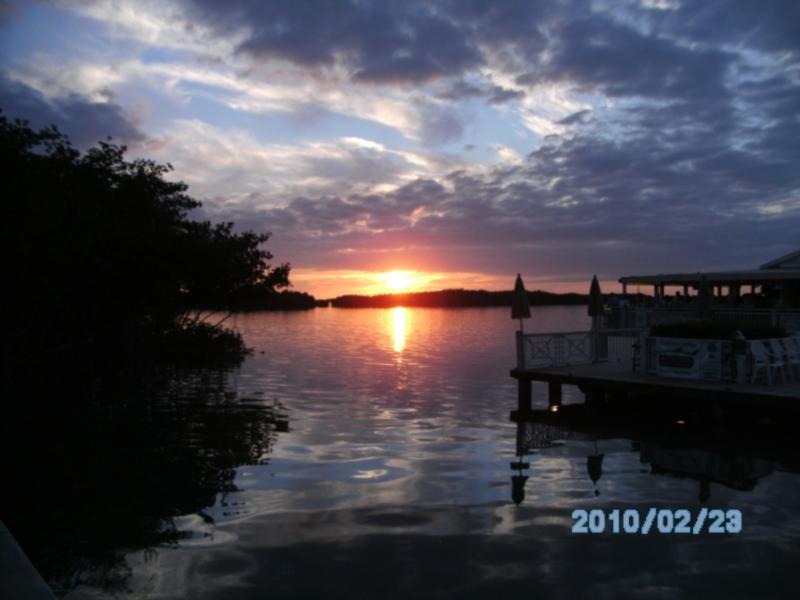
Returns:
point(398, 281)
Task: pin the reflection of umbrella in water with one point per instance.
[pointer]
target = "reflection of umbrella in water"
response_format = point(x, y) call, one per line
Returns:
point(520, 307)
point(704, 300)
point(518, 488)
point(594, 466)
point(518, 480)
point(595, 300)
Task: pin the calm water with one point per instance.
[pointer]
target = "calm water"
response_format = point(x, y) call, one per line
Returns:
point(368, 455)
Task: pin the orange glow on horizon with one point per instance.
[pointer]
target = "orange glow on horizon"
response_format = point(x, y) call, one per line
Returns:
point(330, 283)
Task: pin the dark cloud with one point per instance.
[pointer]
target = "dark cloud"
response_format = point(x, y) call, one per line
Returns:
point(438, 124)
point(8, 10)
point(494, 94)
point(589, 203)
point(379, 41)
point(84, 121)
point(649, 54)
point(387, 42)
point(581, 116)
point(693, 163)
point(768, 25)
point(618, 60)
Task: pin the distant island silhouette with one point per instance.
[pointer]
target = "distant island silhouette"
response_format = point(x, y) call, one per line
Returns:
point(452, 298)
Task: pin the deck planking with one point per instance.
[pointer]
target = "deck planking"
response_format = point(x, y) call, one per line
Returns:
point(620, 377)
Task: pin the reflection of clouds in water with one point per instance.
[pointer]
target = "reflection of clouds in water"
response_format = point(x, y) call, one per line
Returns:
point(450, 554)
point(432, 458)
point(370, 473)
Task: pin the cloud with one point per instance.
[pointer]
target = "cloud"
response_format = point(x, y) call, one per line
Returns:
point(376, 42)
point(494, 94)
point(575, 206)
point(233, 170)
point(581, 116)
point(621, 61)
point(438, 124)
point(625, 137)
point(333, 52)
point(85, 121)
point(771, 25)
point(8, 10)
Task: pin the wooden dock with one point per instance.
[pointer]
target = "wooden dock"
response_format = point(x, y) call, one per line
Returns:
point(618, 378)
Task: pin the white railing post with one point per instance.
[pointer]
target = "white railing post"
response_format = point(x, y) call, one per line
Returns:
point(558, 349)
point(643, 351)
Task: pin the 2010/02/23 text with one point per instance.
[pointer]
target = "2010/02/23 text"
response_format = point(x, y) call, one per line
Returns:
point(657, 520)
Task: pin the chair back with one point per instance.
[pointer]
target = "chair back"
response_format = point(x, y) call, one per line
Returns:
point(775, 347)
point(791, 347)
point(759, 351)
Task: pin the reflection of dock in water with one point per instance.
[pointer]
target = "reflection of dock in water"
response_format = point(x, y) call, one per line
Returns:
point(727, 455)
point(736, 472)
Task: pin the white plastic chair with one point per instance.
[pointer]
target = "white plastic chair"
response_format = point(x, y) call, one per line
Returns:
point(791, 353)
point(766, 360)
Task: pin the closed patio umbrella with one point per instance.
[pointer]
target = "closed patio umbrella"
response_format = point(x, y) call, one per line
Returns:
point(520, 307)
point(518, 488)
point(594, 466)
point(595, 308)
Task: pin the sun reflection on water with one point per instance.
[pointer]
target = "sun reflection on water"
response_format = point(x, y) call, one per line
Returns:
point(399, 328)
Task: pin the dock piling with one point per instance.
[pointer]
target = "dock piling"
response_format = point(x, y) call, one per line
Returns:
point(525, 395)
point(554, 394)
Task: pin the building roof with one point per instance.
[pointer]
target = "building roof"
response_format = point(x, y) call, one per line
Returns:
point(785, 268)
point(753, 276)
point(791, 261)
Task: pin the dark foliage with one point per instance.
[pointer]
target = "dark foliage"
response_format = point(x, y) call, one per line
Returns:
point(716, 330)
point(453, 299)
point(104, 272)
point(256, 298)
point(102, 259)
point(93, 481)
point(201, 344)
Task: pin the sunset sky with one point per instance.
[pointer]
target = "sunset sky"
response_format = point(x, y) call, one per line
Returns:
point(452, 143)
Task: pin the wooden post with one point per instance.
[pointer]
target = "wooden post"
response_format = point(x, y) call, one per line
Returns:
point(554, 394)
point(594, 396)
point(525, 395)
point(640, 362)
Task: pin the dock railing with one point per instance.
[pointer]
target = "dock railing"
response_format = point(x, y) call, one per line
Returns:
point(560, 349)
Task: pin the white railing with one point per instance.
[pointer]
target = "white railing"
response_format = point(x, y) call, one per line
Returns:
point(537, 350)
